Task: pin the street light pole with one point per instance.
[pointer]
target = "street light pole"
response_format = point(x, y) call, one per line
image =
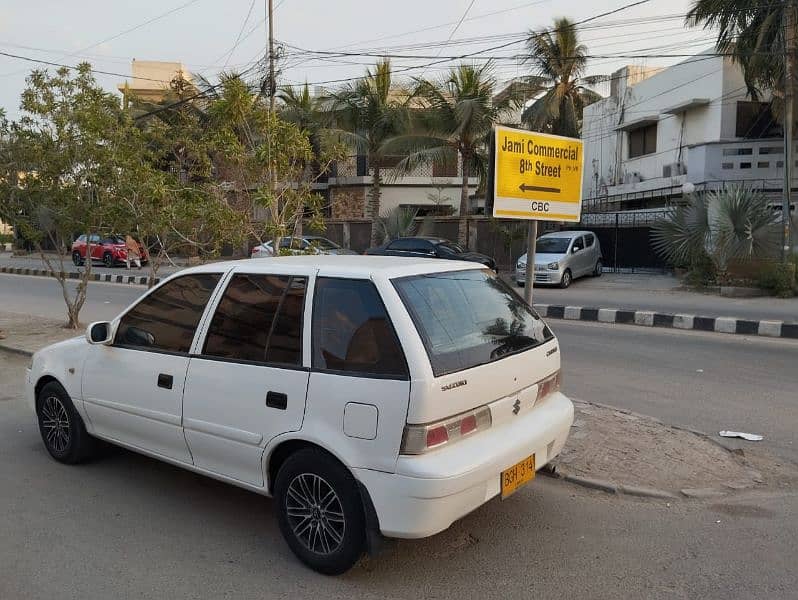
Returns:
point(789, 92)
point(272, 86)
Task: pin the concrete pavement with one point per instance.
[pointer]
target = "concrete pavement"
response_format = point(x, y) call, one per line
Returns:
point(126, 526)
point(662, 293)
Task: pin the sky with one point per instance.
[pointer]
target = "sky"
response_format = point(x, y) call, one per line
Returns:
point(211, 35)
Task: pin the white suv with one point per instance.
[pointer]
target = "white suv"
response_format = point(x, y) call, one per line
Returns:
point(366, 394)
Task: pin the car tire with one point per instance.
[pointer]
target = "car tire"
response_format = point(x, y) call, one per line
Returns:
point(566, 279)
point(108, 259)
point(327, 534)
point(598, 269)
point(63, 431)
point(76, 258)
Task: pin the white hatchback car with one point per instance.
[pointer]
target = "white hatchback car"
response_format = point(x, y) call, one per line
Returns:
point(366, 394)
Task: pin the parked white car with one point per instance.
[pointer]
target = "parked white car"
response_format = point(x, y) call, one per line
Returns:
point(366, 394)
point(562, 257)
point(309, 244)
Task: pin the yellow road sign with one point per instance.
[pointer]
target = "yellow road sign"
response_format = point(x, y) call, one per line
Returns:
point(537, 176)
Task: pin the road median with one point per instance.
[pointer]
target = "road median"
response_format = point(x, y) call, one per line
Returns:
point(647, 318)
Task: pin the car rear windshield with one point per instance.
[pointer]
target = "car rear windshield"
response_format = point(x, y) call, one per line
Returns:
point(469, 318)
point(553, 245)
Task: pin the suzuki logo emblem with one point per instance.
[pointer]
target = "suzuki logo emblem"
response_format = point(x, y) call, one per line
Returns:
point(516, 407)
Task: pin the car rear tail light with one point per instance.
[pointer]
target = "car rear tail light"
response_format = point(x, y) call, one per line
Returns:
point(549, 385)
point(418, 439)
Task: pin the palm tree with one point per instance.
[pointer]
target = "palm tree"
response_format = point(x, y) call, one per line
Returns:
point(560, 62)
point(732, 223)
point(753, 34)
point(365, 114)
point(455, 120)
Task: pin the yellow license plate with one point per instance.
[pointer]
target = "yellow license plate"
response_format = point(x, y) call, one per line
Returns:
point(519, 474)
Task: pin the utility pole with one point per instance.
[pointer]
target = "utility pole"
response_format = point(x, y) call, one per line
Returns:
point(272, 86)
point(789, 94)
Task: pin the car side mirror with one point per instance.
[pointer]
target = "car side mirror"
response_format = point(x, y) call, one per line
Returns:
point(99, 333)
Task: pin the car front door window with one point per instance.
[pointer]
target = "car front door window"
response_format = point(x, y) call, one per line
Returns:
point(166, 319)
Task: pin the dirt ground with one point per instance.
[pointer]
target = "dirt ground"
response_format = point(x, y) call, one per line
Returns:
point(635, 450)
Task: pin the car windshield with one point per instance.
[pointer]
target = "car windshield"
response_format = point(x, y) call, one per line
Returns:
point(323, 243)
point(552, 245)
point(469, 318)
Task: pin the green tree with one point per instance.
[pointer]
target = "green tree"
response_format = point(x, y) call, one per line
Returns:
point(183, 205)
point(67, 151)
point(753, 34)
point(365, 115)
point(270, 163)
point(559, 61)
point(454, 121)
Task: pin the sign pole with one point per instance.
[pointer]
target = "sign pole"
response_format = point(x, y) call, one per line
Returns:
point(529, 280)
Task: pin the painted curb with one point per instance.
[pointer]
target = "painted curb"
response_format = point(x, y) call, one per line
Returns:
point(101, 277)
point(647, 318)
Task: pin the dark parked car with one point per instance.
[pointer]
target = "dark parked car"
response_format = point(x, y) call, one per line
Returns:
point(431, 247)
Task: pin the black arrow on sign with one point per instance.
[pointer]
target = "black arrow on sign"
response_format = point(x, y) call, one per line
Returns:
point(538, 188)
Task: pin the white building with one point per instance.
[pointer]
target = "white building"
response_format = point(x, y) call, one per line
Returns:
point(661, 128)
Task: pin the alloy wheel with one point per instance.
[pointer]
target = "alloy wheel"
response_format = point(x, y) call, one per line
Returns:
point(315, 513)
point(55, 422)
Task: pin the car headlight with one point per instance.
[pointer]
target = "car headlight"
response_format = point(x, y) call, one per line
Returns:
point(553, 266)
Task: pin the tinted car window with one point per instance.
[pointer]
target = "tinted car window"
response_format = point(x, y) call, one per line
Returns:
point(552, 245)
point(469, 318)
point(81, 239)
point(589, 239)
point(410, 245)
point(352, 331)
point(167, 318)
point(449, 248)
point(259, 319)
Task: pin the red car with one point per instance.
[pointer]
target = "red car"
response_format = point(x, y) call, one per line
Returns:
point(111, 250)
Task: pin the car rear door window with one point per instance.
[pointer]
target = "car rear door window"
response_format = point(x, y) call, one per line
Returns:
point(352, 332)
point(259, 319)
point(166, 319)
point(589, 239)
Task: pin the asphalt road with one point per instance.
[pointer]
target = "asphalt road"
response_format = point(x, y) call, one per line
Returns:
point(125, 526)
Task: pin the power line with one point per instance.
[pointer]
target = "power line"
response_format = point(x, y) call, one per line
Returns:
point(121, 33)
point(240, 33)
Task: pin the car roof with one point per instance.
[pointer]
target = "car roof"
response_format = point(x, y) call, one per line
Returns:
point(427, 238)
point(565, 234)
point(354, 266)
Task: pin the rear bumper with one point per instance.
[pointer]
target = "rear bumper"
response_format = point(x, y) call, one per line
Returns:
point(430, 492)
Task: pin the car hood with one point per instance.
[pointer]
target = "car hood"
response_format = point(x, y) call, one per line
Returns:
point(544, 258)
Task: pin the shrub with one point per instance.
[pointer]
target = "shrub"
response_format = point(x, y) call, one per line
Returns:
point(778, 278)
point(716, 227)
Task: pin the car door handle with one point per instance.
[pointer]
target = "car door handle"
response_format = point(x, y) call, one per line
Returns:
point(277, 400)
point(165, 381)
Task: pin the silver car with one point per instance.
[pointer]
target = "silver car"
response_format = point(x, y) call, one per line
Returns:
point(562, 257)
